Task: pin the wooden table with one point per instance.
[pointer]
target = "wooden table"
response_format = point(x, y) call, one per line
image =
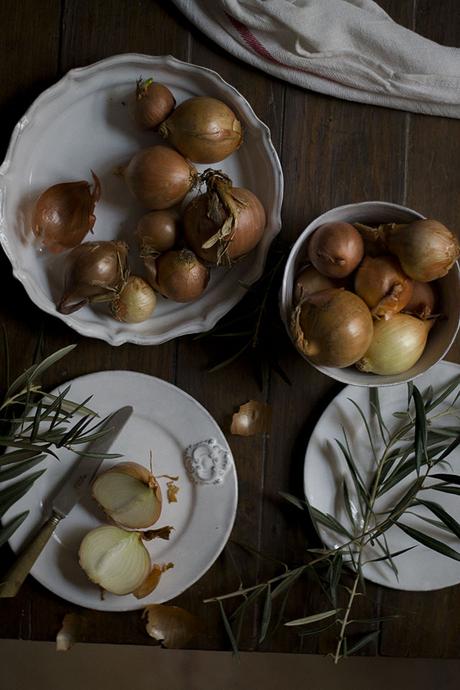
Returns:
point(333, 152)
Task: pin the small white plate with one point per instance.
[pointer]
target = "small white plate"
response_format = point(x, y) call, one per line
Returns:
point(85, 122)
point(420, 569)
point(165, 421)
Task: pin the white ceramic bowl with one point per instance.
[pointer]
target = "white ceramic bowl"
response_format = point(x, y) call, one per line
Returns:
point(441, 336)
point(86, 121)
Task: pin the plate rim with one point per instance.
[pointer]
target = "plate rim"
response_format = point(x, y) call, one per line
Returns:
point(212, 313)
point(232, 475)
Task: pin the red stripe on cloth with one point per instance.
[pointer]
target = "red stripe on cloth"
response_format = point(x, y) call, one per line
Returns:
point(252, 41)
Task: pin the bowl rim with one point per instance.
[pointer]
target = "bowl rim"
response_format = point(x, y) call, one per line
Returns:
point(285, 294)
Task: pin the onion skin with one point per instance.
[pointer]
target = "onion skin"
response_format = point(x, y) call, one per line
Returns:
point(154, 102)
point(309, 281)
point(135, 302)
point(203, 129)
point(426, 249)
point(180, 276)
point(424, 300)
point(159, 177)
point(157, 232)
point(336, 249)
point(382, 284)
point(231, 219)
point(397, 345)
point(333, 328)
point(95, 270)
point(64, 214)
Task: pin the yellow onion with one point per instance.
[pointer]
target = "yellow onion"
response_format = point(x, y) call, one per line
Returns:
point(157, 232)
point(154, 102)
point(64, 214)
point(129, 494)
point(203, 129)
point(382, 284)
point(332, 328)
point(179, 275)
point(309, 281)
point(396, 346)
point(135, 301)
point(423, 302)
point(94, 271)
point(335, 249)
point(159, 177)
point(225, 222)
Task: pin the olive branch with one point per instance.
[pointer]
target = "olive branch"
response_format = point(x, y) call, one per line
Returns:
point(406, 461)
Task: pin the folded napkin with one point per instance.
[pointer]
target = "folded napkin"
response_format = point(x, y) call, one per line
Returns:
point(351, 49)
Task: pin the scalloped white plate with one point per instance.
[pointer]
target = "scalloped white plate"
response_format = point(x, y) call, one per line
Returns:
point(165, 421)
point(85, 122)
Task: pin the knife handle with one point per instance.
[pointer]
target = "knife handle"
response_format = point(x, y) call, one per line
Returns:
point(18, 572)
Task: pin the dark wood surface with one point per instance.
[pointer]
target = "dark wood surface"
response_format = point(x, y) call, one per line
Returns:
point(332, 152)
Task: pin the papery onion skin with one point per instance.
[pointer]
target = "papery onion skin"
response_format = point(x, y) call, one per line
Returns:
point(382, 284)
point(154, 102)
point(180, 275)
point(157, 232)
point(203, 129)
point(223, 206)
point(135, 302)
point(426, 249)
point(64, 214)
point(397, 345)
point(159, 177)
point(424, 300)
point(336, 249)
point(94, 271)
point(332, 328)
point(308, 281)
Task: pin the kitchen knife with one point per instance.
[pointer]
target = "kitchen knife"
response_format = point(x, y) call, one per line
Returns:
point(76, 484)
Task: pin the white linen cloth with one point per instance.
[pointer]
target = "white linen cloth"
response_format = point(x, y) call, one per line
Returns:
point(351, 49)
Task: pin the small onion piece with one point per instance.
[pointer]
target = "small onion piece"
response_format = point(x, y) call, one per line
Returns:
point(225, 222)
point(159, 177)
point(93, 272)
point(335, 249)
point(179, 275)
point(157, 232)
point(129, 494)
point(154, 102)
point(115, 559)
point(203, 129)
point(135, 302)
point(332, 328)
point(309, 281)
point(64, 214)
point(424, 300)
point(382, 284)
point(397, 345)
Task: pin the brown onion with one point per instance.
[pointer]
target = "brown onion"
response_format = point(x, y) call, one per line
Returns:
point(333, 328)
point(203, 129)
point(157, 232)
point(381, 283)
point(180, 275)
point(64, 214)
point(94, 271)
point(309, 281)
point(159, 177)
point(423, 302)
point(134, 302)
point(154, 102)
point(225, 222)
point(336, 249)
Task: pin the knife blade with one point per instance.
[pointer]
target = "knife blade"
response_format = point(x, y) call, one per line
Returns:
point(75, 484)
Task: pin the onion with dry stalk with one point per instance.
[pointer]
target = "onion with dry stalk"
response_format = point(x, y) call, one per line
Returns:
point(64, 214)
point(157, 232)
point(382, 284)
point(225, 222)
point(154, 102)
point(336, 249)
point(159, 177)
point(135, 301)
point(129, 494)
point(308, 281)
point(424, 300)
point(203, 129)
point(332, 328)
point(93, 272)
point(396, 346)
point(178, 275)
